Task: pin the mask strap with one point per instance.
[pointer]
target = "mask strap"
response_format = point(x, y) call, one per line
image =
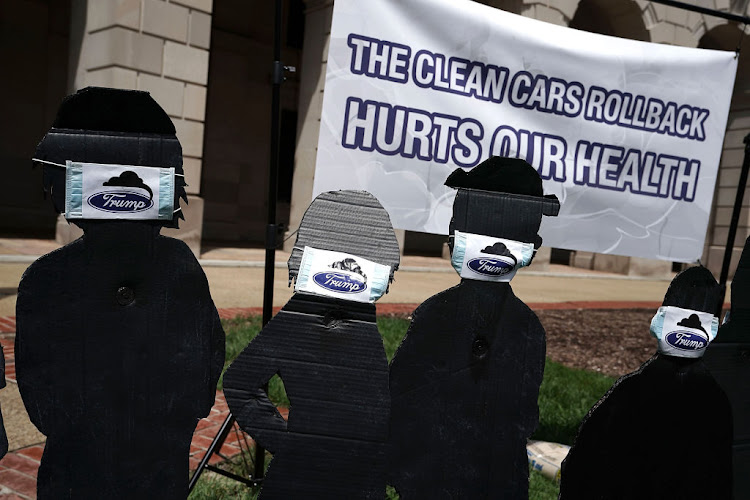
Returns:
point(49, 163)
point(65, 166)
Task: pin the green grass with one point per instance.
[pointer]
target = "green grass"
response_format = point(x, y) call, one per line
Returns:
point(565, 397)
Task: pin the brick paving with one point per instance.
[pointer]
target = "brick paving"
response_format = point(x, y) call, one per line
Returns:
point(18, 469)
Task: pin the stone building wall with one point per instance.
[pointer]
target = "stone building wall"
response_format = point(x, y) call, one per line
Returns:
point(161, 47)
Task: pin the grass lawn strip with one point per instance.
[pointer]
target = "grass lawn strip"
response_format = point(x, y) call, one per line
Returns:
point(565, 396)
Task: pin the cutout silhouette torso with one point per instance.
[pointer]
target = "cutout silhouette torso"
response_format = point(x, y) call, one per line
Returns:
point(330, 357)
point(660, 432)
point(118, 344)
point(464, 387)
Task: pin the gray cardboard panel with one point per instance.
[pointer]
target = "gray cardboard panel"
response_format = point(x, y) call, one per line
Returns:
point(353, 222)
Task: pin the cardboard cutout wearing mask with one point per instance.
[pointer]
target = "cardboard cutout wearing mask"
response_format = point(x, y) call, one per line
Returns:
point(465, 380)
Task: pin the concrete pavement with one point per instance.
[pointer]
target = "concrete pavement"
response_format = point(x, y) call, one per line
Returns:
point(236, 279)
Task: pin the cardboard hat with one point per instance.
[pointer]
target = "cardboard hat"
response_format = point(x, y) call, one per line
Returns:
point(352, 222)
point(501, 197)
point(110, 126)
point(695, 288)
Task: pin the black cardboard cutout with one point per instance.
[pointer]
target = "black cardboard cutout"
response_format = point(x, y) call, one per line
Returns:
point(728, 359)
point(663, 431)
point(330, 356)
point(465, 380)
point(118, 127)
point(118, 344)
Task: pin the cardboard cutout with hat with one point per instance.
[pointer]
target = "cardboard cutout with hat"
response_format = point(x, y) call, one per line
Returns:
point(665, 430)
point(465, 380)
point(118, 346)
point(325, 346)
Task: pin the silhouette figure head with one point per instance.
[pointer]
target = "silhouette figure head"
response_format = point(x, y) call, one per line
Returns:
point(501, 197)
point(111, 126)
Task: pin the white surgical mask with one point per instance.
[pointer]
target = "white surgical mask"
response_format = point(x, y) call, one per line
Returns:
point(341, 275)
point(683, 332)
point(487, 258)
point(98, 191)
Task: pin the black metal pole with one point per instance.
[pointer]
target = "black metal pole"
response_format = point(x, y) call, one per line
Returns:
point(271, 243)
point(736, 213)
point(273, 174)
point(705, 10)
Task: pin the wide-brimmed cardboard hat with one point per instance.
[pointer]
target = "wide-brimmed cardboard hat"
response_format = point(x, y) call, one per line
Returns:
point(501, 197)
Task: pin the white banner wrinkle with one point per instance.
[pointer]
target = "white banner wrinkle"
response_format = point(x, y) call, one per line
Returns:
point(627, 134)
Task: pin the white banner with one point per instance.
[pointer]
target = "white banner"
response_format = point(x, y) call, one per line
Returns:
point(627, 134)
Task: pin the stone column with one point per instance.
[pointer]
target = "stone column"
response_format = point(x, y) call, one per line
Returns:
point(318, 15)
point(160, 47)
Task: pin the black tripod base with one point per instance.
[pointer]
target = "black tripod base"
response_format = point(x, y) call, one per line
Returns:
point(216, 445)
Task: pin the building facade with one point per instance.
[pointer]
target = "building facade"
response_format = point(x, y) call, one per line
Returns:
point(209, 64)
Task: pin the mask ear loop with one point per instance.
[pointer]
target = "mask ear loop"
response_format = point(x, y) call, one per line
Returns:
point(65, 166)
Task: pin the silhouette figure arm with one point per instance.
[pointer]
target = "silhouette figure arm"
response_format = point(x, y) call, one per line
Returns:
point(248, 402)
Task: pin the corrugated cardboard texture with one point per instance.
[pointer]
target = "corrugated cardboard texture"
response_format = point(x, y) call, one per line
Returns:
point(511, 216)
point(638, 440)
point(330, 356)
point(118, 345)
point(464, 389)
point(353, 222)
point(728, 359)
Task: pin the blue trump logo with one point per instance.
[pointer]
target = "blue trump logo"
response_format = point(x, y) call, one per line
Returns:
point(120, 201)
point(339, 282)
point(686, 341)
point(495, 266)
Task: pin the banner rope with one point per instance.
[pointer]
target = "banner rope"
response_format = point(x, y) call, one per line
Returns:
point(739, 42)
